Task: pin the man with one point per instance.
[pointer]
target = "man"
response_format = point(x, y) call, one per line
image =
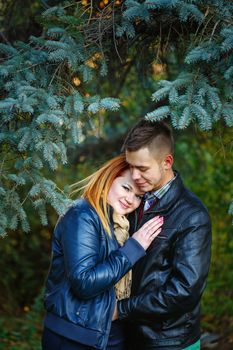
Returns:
point(167, 284)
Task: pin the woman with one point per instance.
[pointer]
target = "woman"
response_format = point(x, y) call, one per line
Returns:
point(88, 262)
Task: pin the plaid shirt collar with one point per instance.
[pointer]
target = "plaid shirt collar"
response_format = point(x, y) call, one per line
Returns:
point(150, 197)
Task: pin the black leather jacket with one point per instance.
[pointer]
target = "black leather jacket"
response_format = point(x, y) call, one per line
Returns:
point(86, 263)
point(168, 282)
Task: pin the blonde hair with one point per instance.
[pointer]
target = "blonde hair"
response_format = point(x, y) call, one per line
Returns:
point(97, 185)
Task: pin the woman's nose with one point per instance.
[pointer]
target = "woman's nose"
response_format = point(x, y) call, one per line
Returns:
point(129, 198)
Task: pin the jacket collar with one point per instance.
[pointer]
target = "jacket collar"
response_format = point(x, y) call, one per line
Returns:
point(169, 198)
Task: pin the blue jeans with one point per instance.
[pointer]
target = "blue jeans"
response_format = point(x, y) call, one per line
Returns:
point(54, 341)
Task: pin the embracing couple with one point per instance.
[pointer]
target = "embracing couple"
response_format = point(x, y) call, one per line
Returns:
point(130, 258)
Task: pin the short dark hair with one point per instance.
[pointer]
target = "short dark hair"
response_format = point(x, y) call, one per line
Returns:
point(157, 136)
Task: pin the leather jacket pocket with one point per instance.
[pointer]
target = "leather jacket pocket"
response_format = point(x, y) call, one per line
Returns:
point(82, 313)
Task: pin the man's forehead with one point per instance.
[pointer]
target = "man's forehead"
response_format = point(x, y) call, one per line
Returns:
point(142, 157)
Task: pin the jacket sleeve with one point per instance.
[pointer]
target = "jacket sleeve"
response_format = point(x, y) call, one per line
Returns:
point(81, 245)
point(183, 290)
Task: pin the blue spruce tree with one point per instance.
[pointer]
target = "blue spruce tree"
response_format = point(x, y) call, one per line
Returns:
point(46, 83)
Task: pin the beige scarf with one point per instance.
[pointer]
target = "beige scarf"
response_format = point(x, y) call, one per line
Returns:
point(121, 228)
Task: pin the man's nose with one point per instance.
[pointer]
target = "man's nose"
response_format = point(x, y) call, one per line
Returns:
point(135, 173)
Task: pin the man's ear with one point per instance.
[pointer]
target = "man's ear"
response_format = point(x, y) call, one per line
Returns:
point(168, 162)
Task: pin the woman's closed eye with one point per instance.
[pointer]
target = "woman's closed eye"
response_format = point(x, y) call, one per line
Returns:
point(127, 188)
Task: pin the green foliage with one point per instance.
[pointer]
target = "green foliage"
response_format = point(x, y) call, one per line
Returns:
point(23, 333)
point(55, 88)
point(203, 92)
point(40, 110)
point(24, 264)
point(205, 161)
point(18, 19)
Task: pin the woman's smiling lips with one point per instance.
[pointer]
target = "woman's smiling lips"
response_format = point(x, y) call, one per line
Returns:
point(125, 206)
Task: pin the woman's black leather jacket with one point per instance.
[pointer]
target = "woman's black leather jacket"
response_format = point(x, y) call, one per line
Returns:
point(86, 263)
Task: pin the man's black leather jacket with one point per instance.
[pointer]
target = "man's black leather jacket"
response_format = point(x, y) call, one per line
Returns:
point(164, 306)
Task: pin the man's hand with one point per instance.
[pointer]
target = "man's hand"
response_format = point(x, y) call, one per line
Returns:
point(115, 315)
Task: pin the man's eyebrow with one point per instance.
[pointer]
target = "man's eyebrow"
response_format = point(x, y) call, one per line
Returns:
point(141, 166)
